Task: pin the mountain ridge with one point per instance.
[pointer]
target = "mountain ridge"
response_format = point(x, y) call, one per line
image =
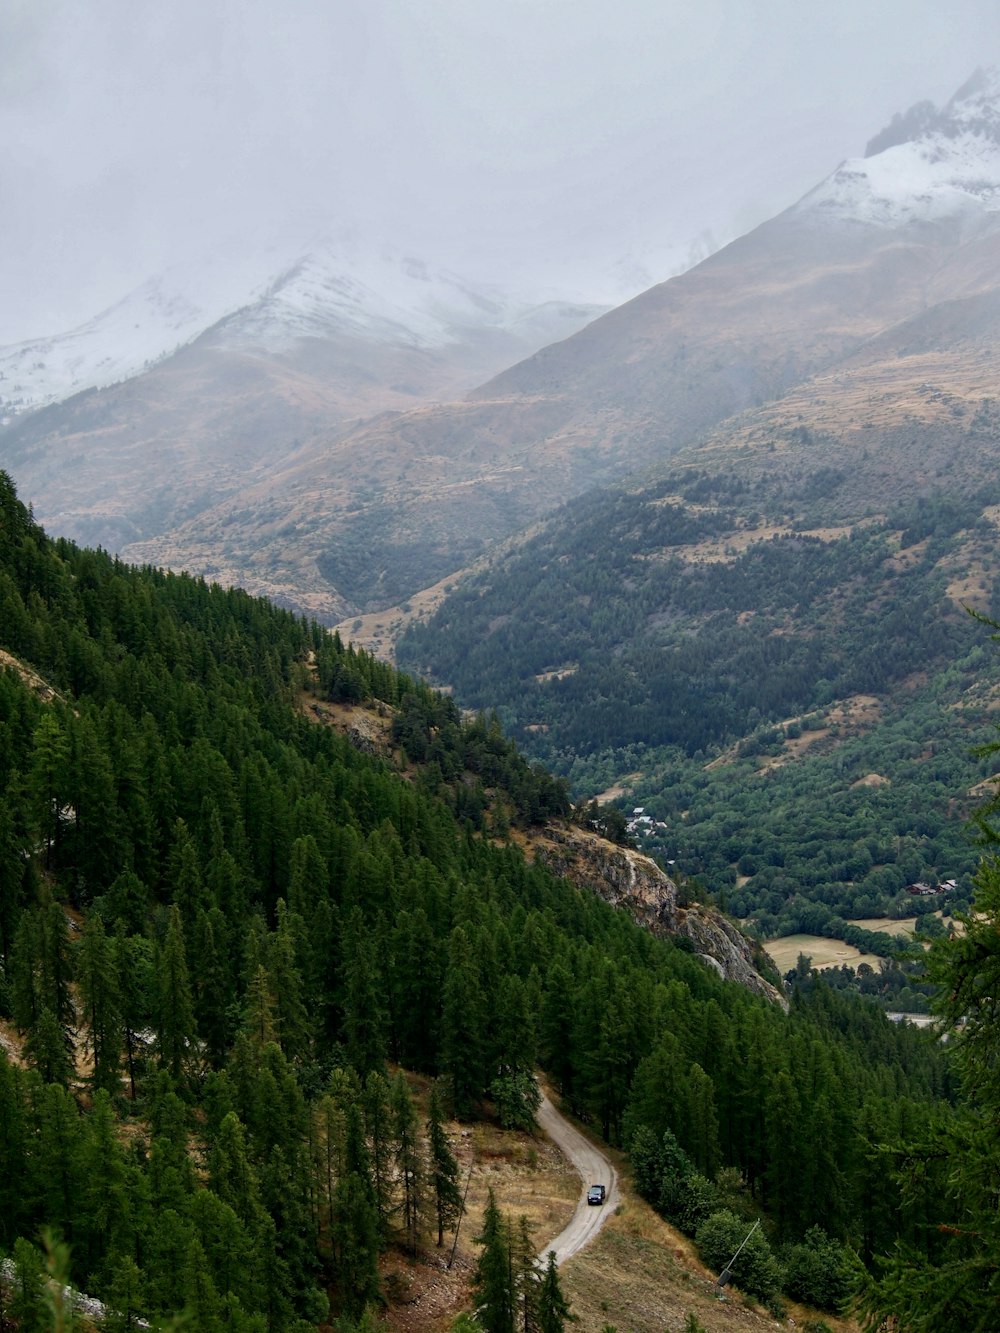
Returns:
point(342, 511)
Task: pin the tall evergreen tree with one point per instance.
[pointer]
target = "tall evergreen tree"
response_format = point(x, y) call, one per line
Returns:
point(174, 1003)
point(409, 1160)
point(49, 777)
point(354, 1236)
point(364, 1008)
point(97, 977)
point(553, 1308)
point(527, 1278)
point(443, 1170)
point(956, 1288)
point(463, 1026)
point(379, 1112)
point(493, 1281)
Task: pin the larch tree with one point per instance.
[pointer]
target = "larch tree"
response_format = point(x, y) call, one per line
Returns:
point(443, 1170)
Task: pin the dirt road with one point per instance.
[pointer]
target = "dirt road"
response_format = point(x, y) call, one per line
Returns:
point(594, 1169)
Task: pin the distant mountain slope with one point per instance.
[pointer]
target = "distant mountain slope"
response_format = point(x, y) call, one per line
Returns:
point(268, 302)
point(214, 375)
point(892, 259)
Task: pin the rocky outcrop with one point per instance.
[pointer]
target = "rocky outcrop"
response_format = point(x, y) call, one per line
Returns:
point(633, 882)
point(367, 727)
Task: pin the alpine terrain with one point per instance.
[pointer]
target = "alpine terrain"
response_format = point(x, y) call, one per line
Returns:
point(207, 377)
point(867, 311)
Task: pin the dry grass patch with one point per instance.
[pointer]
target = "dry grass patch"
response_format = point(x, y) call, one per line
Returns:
point(617, 789)
point(888, 925)
point(643, 1276)
point(378, 631)
point(824, 953)
point(717, 550)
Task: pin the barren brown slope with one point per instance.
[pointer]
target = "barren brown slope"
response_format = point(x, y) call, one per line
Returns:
point(912, 412)
point(424, 492)
point(132, 461)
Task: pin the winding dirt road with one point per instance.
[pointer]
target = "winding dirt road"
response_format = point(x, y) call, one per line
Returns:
point(594, 1169)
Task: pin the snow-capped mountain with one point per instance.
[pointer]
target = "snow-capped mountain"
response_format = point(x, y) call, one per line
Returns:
point(325, 441)
point(928, 166)
point(386, 297)
point(267, 302)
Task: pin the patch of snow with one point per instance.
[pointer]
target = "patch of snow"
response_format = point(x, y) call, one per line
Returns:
point(930, 180)
point(268, 300)
point(950, 168)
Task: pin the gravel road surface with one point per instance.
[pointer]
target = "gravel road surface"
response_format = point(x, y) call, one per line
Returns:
point(594, 1169)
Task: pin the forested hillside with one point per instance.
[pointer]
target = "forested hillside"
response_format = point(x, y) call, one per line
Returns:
point(794, 699)
point(225, 933)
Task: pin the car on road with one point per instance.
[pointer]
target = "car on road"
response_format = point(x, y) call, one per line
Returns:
point(596, 1194)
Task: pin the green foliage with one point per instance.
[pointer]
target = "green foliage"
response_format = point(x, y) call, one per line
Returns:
point(755, 1271)
point(509, 1288)
point(493, 1286)
point(517, 1098)
point(271, 918)
point(608, 655)
point(553, 1308)
point(952, 1173)
point(819, 1272)
point(443, 1171)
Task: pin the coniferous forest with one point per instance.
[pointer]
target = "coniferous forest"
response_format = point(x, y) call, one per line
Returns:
point(704, 641)
point(227, 934)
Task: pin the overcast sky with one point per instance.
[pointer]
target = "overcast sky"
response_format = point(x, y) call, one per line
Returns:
point(578, 145)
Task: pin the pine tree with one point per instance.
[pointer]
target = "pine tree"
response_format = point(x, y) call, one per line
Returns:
point(11, 881)
point(174, 1005)
point(409, 1160)
point(364, 1012)
point(27, 1306)
point(527, 1277)
point(354, 1236)
point(292, 1019)
point(97, 976)
point(553, 1308)
point(956, 1287)
point(463, 1026)
point(213, 988)
point(13, 1145)
point(134, 971)
point(443, 1170)
point(126, 1299)
point(45, 1049)
point(379, 1123)
point(49, 776)
point(493, 1281)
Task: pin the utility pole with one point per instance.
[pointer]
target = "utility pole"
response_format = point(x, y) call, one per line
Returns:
point(727, 1272)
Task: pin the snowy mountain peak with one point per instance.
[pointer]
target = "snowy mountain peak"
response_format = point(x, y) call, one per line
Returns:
point(975, 108)
point(267, 301)
point(381, 295)
point(927, 165)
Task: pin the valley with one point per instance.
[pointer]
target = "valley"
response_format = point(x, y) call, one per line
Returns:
point(664, 661)
point(255, 926)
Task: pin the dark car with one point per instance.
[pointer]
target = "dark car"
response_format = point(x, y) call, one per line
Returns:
point(596, 1194)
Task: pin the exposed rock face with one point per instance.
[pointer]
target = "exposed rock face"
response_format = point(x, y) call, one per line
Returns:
point(633, 882)
point(366, 727)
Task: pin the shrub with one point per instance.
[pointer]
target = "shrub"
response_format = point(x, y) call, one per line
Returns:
point(698, 1199)
point(756, 1271)
point(819, 1271)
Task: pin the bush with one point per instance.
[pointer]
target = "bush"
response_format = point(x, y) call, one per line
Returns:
point(819, 1272)
point(756, 1271)
point(698, 1199)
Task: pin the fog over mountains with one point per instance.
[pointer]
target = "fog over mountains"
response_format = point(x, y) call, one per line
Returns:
point(267, 301)
point(311, 440)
